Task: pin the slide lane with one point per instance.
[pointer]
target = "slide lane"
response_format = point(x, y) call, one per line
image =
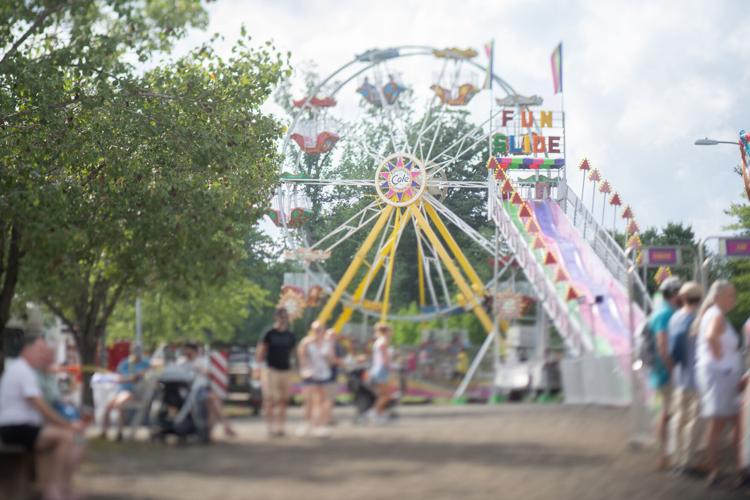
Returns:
point(607, 318)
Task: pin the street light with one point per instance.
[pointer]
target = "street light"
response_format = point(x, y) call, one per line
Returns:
point(712, 142)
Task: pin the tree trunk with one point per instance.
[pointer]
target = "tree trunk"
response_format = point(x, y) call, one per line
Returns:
point(87, 348)
point(9, 273)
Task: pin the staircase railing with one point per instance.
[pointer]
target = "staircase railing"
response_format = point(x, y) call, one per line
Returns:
point(575, 333)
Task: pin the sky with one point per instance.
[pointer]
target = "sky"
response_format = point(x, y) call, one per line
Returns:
point(642, 79)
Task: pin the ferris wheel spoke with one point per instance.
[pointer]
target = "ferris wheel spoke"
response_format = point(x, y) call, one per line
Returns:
point(350, 227)
point(427, 260)
point(484, 242)
point(462, 139)
point(441, 166)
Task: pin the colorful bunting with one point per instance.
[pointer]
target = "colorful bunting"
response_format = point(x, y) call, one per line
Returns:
point(560, 275)
point(549, 258)
point(635, 242)
point(525, 212)
point(615, 200)
point(527, 163)
point(605, 188)
point(572, 294)
point(492, 163)
point(595, 176)
point(516, 199)
point(627, 213)
point(507, 187)
point(633, 227)
point(538, 243)
point(584, 165)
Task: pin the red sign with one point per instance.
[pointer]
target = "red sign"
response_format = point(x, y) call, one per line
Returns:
point(662, 256)
point(737, 247)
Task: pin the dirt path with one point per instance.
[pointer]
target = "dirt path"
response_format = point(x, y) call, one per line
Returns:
point(461, 452)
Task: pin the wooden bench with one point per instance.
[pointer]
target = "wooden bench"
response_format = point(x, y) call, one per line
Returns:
point(16, 472)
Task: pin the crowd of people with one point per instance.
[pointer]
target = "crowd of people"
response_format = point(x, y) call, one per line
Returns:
point(698, 373)
point(320, 358)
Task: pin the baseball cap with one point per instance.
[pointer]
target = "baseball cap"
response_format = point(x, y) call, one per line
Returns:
point(670, 286)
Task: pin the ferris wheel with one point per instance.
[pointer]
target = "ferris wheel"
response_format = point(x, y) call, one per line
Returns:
point(375, 130)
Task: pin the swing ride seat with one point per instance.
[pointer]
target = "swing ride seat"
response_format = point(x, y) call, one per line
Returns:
point(298, 217)
point(463, 94)
point(391, 91)
point(315, 102)
point(323, 143)
point(274, 216)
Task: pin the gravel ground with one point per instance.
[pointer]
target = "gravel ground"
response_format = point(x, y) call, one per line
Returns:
point(432, 452)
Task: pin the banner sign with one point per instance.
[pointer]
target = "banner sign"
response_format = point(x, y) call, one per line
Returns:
point(735, 247)
point(663, 256)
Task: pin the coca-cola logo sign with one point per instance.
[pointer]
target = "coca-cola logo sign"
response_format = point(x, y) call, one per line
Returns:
point(400, 179)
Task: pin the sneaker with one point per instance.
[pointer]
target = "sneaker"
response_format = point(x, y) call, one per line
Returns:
point(322, 432)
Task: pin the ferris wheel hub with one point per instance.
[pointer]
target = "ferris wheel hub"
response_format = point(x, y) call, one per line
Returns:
point(400, 180)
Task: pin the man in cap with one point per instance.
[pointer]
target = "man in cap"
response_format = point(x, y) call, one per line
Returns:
point(682, 353)
point(660, 371)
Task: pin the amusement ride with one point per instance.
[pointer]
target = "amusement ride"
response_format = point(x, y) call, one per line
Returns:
point(514, 150)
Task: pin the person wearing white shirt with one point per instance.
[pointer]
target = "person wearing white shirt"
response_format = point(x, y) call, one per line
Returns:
point(26, 420)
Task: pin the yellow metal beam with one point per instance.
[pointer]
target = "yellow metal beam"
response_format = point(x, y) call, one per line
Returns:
point(476, 283)
point(361, 289)
point(350, 272)
point(463, 286)
point(420, 272)
point(391, 260)
point(372, 271)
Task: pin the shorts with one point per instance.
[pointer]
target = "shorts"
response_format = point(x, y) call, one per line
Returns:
point(379, 376)
point(315, 381)
point(275, 385)
point(20, 435)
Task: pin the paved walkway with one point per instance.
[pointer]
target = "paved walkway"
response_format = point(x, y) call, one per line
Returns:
point(524, 452)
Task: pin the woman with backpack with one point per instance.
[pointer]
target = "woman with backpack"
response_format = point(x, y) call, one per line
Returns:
point(718, 368)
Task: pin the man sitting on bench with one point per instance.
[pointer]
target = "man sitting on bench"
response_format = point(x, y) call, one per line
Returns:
point(26, 420)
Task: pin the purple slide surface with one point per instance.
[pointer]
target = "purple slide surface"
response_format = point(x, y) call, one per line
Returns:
point(608, 319)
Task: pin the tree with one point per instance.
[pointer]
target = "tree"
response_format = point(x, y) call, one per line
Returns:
point(145, 179)
point(738, 271)
point(59, 58)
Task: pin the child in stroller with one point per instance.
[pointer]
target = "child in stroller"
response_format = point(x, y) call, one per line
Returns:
point(179, 407)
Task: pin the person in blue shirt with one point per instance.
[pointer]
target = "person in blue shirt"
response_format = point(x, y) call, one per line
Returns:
point(662, 367)
point(686, 398)
point(130, 371)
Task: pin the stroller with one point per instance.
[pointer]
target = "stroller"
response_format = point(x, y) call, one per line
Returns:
point(179, 407)
point(364, 396)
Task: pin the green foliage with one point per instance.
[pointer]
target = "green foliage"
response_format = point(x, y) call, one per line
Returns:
point(119, 179)
point(207, 314)
point(738, 271)
point(406, 332)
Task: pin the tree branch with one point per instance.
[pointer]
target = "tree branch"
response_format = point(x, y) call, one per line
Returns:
point(72, 326)
point(37, 22)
